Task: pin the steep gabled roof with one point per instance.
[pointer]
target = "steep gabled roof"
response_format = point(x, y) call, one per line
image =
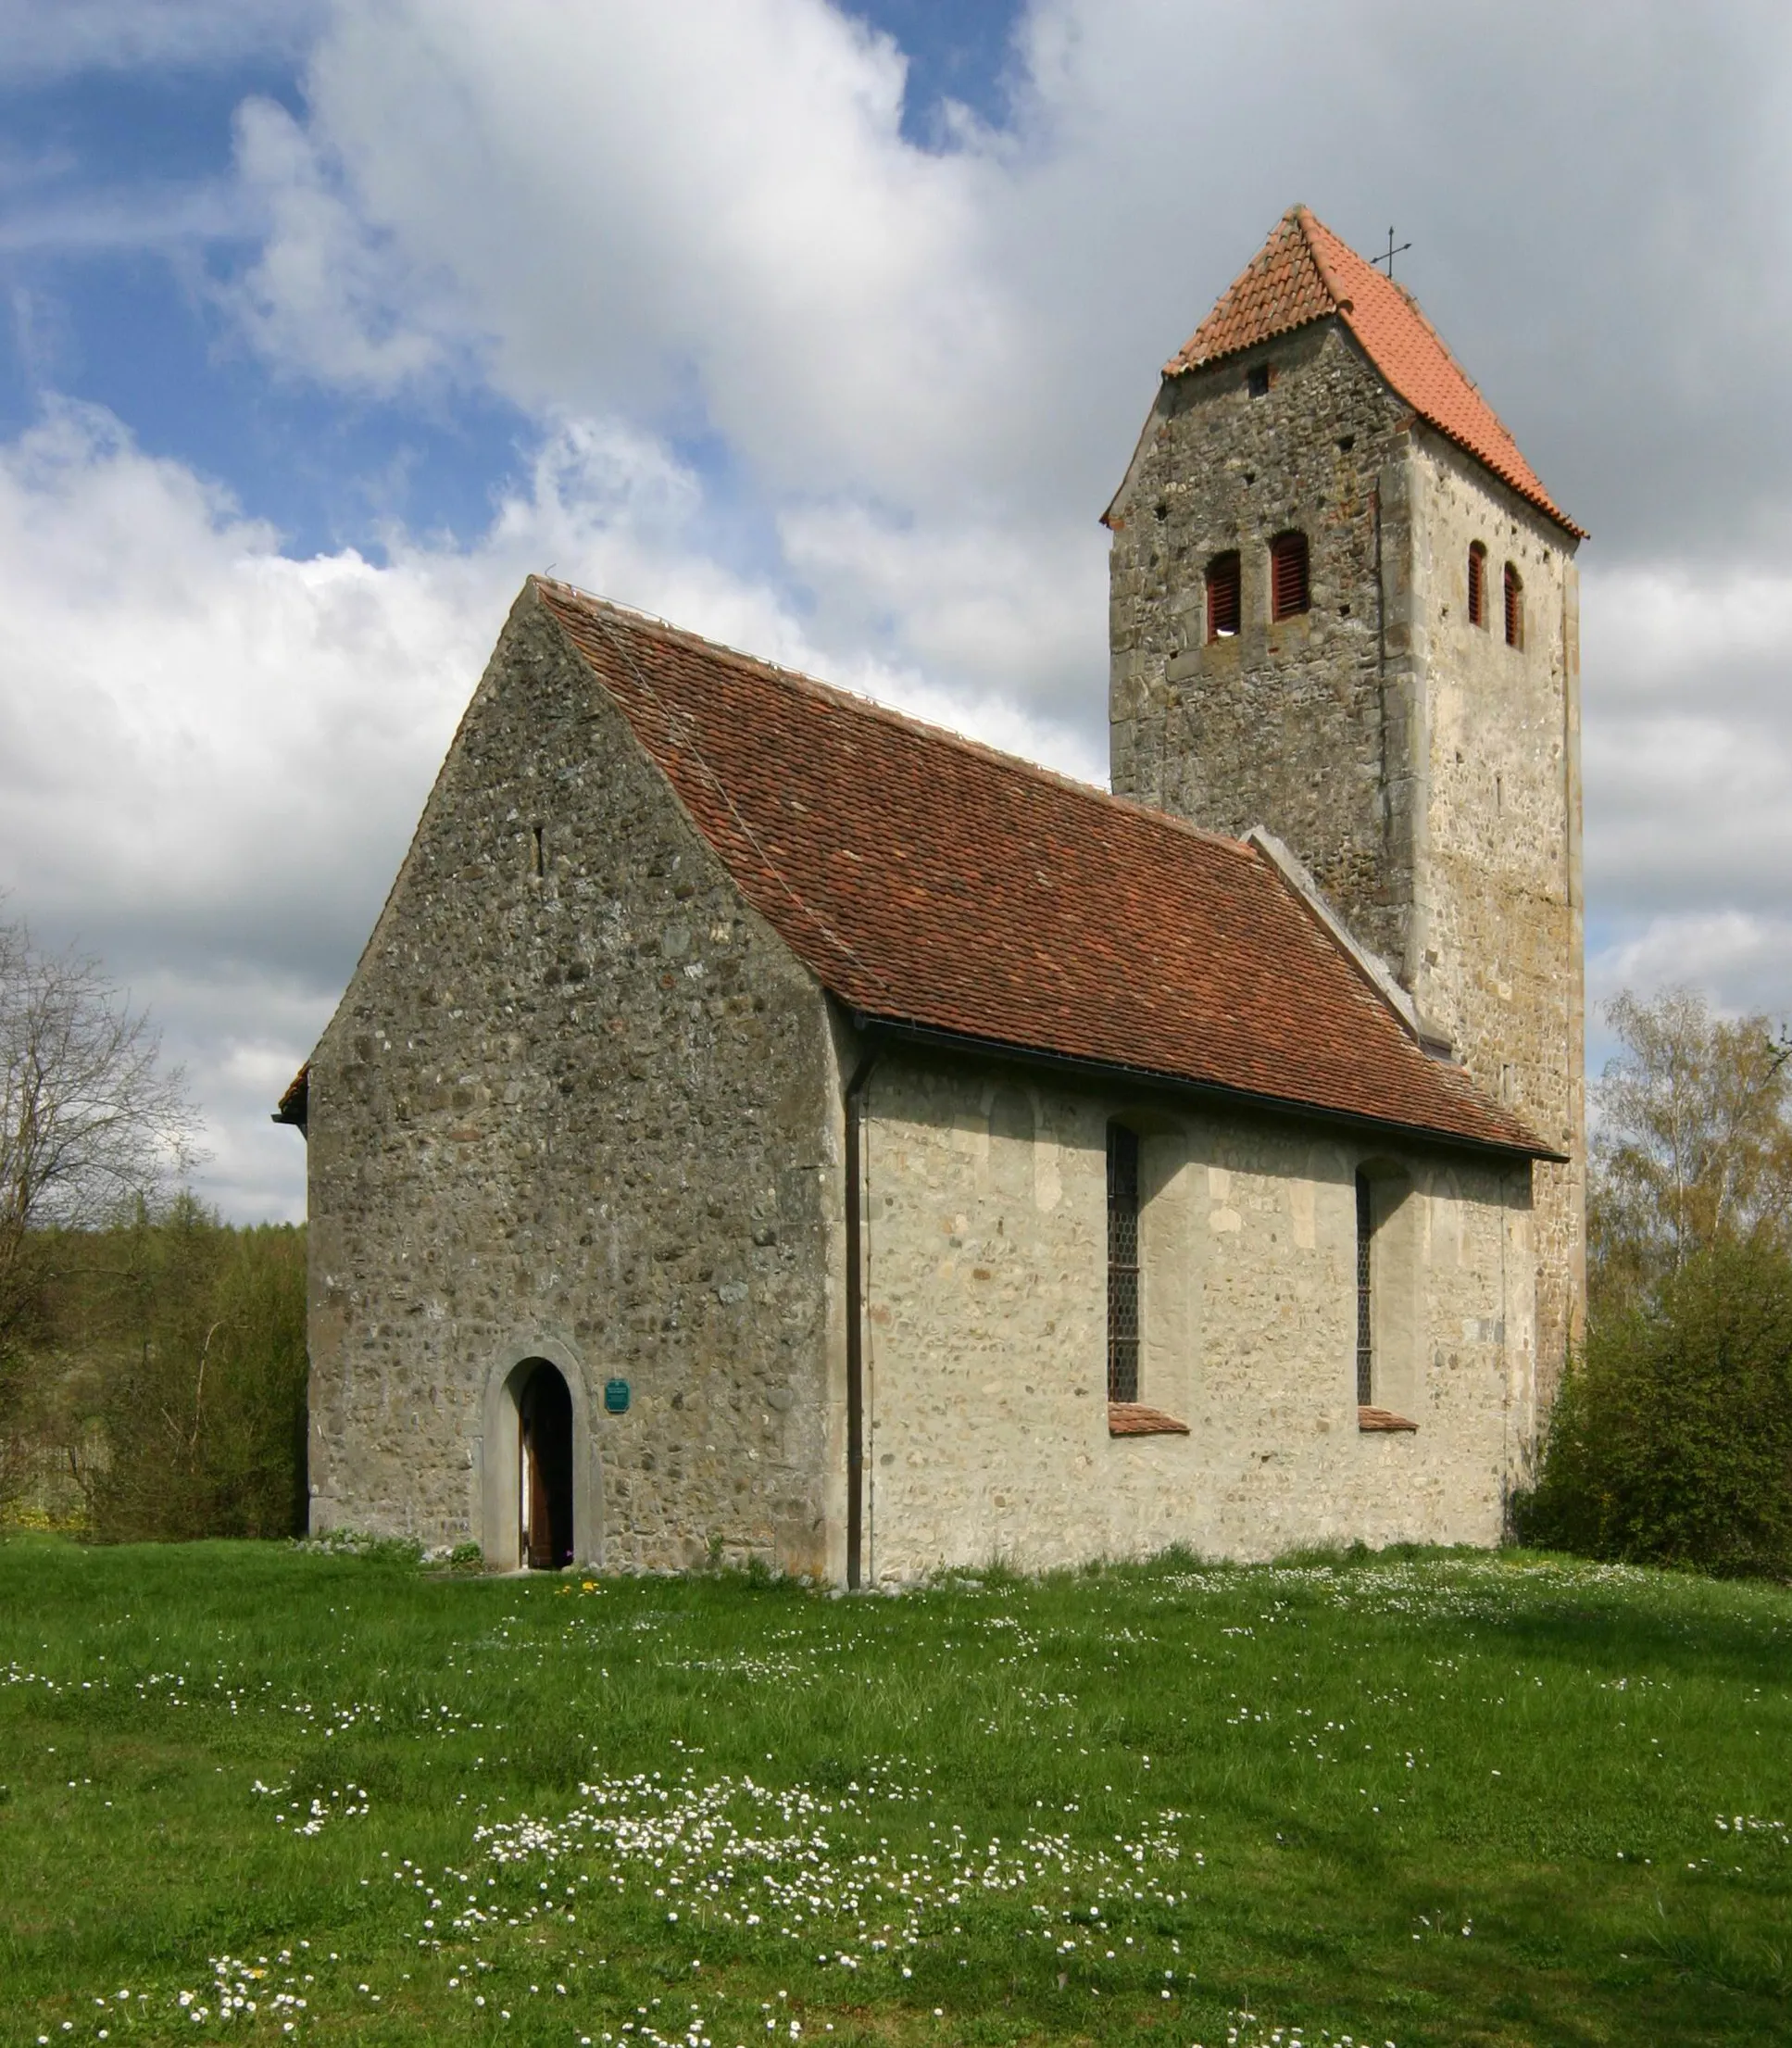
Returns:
point(1304, 274)
point(934, 883)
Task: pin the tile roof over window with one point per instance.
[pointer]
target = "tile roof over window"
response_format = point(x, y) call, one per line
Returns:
point(931, 881)
point(1304, 274)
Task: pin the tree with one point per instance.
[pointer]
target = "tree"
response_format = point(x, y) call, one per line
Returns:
point(1692, 1141)
point(1671, 1440)
point(92, 1125)
point(202, 1406)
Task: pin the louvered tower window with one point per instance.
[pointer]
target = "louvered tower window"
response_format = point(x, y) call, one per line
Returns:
point(1224, 586)
point(1122, 1263)
point(1477, 585)
point(1288, 590)
point(1365, 1300)
point(1514, 609)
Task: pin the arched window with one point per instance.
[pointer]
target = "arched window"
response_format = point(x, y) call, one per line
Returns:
point(1365, 1294)
point(1222, 595)
point(1288, 588)
point(1514, 609)
point(1477, 584)
point(1122, 1263)
point(1388, 1303)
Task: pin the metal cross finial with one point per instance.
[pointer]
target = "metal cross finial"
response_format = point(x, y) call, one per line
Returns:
point(1390, 253)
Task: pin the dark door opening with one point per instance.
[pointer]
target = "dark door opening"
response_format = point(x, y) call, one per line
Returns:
point(546, 1408)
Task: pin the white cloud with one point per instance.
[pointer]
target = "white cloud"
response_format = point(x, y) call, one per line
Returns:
point(924, 369)
point(326, 288)
point(914, 376)
point(42, 39)
point(709, 203)
point(1687, 726)
point(1740, 957)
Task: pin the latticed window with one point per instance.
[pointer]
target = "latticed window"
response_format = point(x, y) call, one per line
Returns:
point(1122, 1263)
point(1514, 609)
point(1477, 585)
point(1365, 1300)
point(1288, 588)
point(1224, 586)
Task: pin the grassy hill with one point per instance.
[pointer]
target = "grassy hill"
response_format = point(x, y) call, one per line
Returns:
point(1420, 1799)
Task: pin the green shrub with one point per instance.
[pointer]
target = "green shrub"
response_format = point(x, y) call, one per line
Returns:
point(1671, 1440)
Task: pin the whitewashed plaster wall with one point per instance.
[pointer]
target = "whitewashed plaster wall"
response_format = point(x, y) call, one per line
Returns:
point(986, 1362)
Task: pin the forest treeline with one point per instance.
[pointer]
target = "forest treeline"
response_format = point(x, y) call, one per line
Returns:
point(159, 1381)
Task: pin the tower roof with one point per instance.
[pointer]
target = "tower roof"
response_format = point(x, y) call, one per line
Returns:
point(1305, 273)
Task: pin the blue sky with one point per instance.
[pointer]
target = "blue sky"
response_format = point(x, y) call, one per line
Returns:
point(827, 333)
point(111, 301)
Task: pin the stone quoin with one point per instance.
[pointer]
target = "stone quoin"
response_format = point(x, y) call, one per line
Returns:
point(761, 1125)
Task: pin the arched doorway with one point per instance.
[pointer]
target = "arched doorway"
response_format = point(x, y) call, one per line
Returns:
point(545, 1539)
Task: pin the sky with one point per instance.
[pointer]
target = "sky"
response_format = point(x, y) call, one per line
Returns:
point(826, 331)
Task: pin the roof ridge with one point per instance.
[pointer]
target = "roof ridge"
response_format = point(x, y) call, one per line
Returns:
point(1306, 220)
point(920, 728)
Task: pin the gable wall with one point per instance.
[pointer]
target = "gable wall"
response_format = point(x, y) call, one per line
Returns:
point(987, 1250)
point(584, 1114)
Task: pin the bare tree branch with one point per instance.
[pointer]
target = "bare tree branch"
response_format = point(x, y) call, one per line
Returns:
point(1692, 1137)
point(91, 1122)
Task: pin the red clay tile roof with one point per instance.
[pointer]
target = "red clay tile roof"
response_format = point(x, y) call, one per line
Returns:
point(932, 882)
point(1303, 274)
point(295, 1105)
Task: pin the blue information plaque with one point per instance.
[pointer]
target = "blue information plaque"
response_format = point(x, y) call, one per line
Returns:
point(615, 1396)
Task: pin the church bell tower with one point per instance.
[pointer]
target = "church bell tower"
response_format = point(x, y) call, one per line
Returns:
point(1343, 608)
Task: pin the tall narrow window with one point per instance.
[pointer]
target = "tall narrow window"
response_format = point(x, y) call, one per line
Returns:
point(1122, 1263)
point(1477, 585)
point(1223, 596)
point(1514, 609)
point(1365, 1301)
point(1288, 591)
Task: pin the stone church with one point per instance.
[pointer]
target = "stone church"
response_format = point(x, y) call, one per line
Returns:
point(762, 1126)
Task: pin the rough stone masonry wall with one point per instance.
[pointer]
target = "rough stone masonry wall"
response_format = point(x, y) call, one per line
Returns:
point(584, 1110)
point(986, 1275)
point(1498, 938)
point(1301, 726)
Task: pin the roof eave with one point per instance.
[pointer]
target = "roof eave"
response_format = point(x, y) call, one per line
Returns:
point(1538, 503)
point(1178, 367)
point(915, 1033)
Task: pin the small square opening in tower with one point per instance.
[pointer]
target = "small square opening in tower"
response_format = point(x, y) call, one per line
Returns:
point(1258, 378)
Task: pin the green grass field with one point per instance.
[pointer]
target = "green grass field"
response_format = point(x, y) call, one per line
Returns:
point(256, 1792)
